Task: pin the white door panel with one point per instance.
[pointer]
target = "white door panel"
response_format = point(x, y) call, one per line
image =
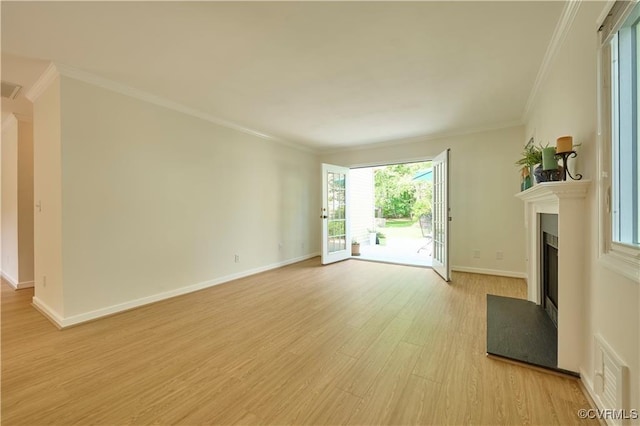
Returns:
point(336, 243)
point(440, 215)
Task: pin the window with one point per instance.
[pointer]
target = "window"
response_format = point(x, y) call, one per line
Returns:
point(624, 132)
point(620, 119)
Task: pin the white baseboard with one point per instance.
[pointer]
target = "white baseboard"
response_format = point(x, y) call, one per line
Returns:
point(26, 284)
point(47, 311)
point(61, 322)
point(15, 284)
point(12, 281)
point(495, 272)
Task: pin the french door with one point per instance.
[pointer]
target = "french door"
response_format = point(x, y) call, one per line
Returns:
point(440, 214)
point(336, 243)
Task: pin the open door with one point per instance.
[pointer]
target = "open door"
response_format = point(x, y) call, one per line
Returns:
point(336, 243)
point(440, 210)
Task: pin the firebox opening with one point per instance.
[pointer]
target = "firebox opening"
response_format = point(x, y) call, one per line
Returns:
point(550, 284)
point(549, 265)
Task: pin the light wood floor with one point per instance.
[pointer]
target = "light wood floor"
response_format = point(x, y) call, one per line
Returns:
point(352, 343)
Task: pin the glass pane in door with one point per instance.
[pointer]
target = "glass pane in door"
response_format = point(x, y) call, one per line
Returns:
point(336, 202)
point(440, 209)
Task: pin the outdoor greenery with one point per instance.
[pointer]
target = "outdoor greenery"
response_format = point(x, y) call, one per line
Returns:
point(399, 223)
point(336, 228)
point(398, 195)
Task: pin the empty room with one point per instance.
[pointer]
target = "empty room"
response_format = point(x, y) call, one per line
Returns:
point(187, 188)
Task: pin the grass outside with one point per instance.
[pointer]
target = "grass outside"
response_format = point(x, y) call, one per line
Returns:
point(401, 228)
point(399, 223)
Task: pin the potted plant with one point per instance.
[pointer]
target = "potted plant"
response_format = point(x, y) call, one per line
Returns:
point(532, 158)
point(381, 238)
point(355, 248)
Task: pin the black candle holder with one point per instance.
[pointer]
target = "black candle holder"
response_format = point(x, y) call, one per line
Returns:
point(565, 170)
point(554, 175)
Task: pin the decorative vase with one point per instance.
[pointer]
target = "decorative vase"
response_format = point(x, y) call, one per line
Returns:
point(526, 179)
point(547, 175)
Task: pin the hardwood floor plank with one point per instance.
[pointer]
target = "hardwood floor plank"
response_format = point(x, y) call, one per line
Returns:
point(361, 376)
point(312, 372)
point(461, 395)
point(418, 403)
point(336, 409)
point(434, 356)
point(298, 404)
point(369, 308)
point(371, 330)
point(355, 342)
point(381, 400)
point(429, 317)
point(248, 419)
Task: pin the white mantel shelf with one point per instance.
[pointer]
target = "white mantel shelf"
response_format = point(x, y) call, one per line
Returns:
point(549, 190)
point(567, 200)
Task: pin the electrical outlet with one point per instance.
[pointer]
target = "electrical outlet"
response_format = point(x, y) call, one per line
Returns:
point(499, 255)
point(280, 246)
point(476, 254)
point(44, 281)
point(237, 258)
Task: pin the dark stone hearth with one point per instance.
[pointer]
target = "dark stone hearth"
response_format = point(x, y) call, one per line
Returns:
point(521, 330)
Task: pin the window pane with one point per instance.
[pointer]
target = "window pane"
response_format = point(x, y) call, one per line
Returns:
point(615, 139)
point(625, 123)
point(637, 156)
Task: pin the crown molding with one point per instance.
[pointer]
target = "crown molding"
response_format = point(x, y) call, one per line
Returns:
point(563, 27)
point(132, 92)
point(424, 138)
point(43, 83)
point(605, 11)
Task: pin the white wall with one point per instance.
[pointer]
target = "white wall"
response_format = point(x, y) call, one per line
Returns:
point(484, 180)
point(4, 116)
point(47, 166)
point(25, 203)
point(17, 205)
point(566, 105)
point(155, 202)
point(10, 200)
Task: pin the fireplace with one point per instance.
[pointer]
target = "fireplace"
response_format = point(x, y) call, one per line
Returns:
point(566, 202)
point(525, 331)
point(549, 265)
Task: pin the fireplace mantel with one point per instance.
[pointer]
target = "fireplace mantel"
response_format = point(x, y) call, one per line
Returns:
point(552, 192)
point(567, 200)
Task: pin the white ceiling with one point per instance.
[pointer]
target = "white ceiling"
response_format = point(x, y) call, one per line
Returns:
point(323, 74)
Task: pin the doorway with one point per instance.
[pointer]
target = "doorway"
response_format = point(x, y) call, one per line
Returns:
point(391, 214)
